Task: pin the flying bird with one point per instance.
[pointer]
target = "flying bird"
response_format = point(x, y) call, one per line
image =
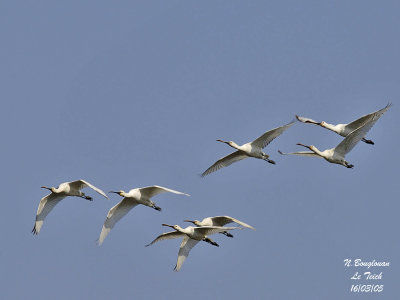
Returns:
point(65, 189)
point(219, 221)
point(191, 236)
point(345, 129)
point(251, 149)
point(336, 155)
point(130, 200)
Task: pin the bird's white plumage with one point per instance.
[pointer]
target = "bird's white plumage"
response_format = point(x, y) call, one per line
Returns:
point(186, 245)
point(114, 215)
point(81, 184)
point(46, 205)
point(225, 161)
point(131, 199)
point(154, 190)
point(269, 136)
point(251, 149)
point(209, 230)
point(345, 129)
point(337, 155)
point(222, 221)
point(354, 137)
point(167, 236)
point(191, 236)
point(65, 189)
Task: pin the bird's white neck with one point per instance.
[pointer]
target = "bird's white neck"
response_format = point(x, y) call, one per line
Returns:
point(316, 151)
point(234, 145)
point(53, 189)
point(329, 126)
point(186, 230)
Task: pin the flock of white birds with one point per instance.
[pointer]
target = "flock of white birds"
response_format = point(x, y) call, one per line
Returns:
point(191, 235)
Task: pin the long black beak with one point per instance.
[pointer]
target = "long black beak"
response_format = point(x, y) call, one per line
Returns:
point(299, 144)
point(222, 141)
point(113, 192)
point(45, 187)
point(168, 225)
point(188, 221)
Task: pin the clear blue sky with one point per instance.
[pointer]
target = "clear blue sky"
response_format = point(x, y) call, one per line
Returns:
point(128, 94)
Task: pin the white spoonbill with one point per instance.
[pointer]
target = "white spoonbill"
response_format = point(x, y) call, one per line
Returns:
point(131, 199)
point(191, 236)
point(251, 149)
point(65, 189)
point(346, 129)
point(219, 221)
point(336, 155)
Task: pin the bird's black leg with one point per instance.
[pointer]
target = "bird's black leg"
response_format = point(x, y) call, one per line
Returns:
point(266, 158)
point(87, 197)
point(227, 234)
point(368, 141)
point(208, 240)
point(270, 161)
point(156, 207)
point(350, 166)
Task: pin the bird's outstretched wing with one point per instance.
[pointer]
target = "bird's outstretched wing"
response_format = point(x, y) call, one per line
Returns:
point(225, 161)
point(306, 120)
point(223, 220)
point(80, 184)
point(151, 191)
point(300, 153)
point(361, 121)
point(269, 136)
point(167, 236)
point(209, 230)
point(46, 204)
point(186, 245)
point(114, 215)
point(354, 137)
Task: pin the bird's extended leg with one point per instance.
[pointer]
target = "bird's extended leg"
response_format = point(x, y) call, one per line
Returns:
point(350, 166)
point(210, 241)
point(266, 158)
point(227, 234)
point(86, 197)
point(156, 207)
point(368, 141)
point(271, 161)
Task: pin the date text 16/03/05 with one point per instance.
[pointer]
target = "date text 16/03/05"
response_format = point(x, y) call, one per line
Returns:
point(366, 288)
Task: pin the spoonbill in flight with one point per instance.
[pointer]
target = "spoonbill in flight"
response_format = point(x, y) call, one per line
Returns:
point(130, 200)
point(251, 149)
point(191, 236)
point(65, 189)
point(346, 129)
point(336, 155)
point(219, 221)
